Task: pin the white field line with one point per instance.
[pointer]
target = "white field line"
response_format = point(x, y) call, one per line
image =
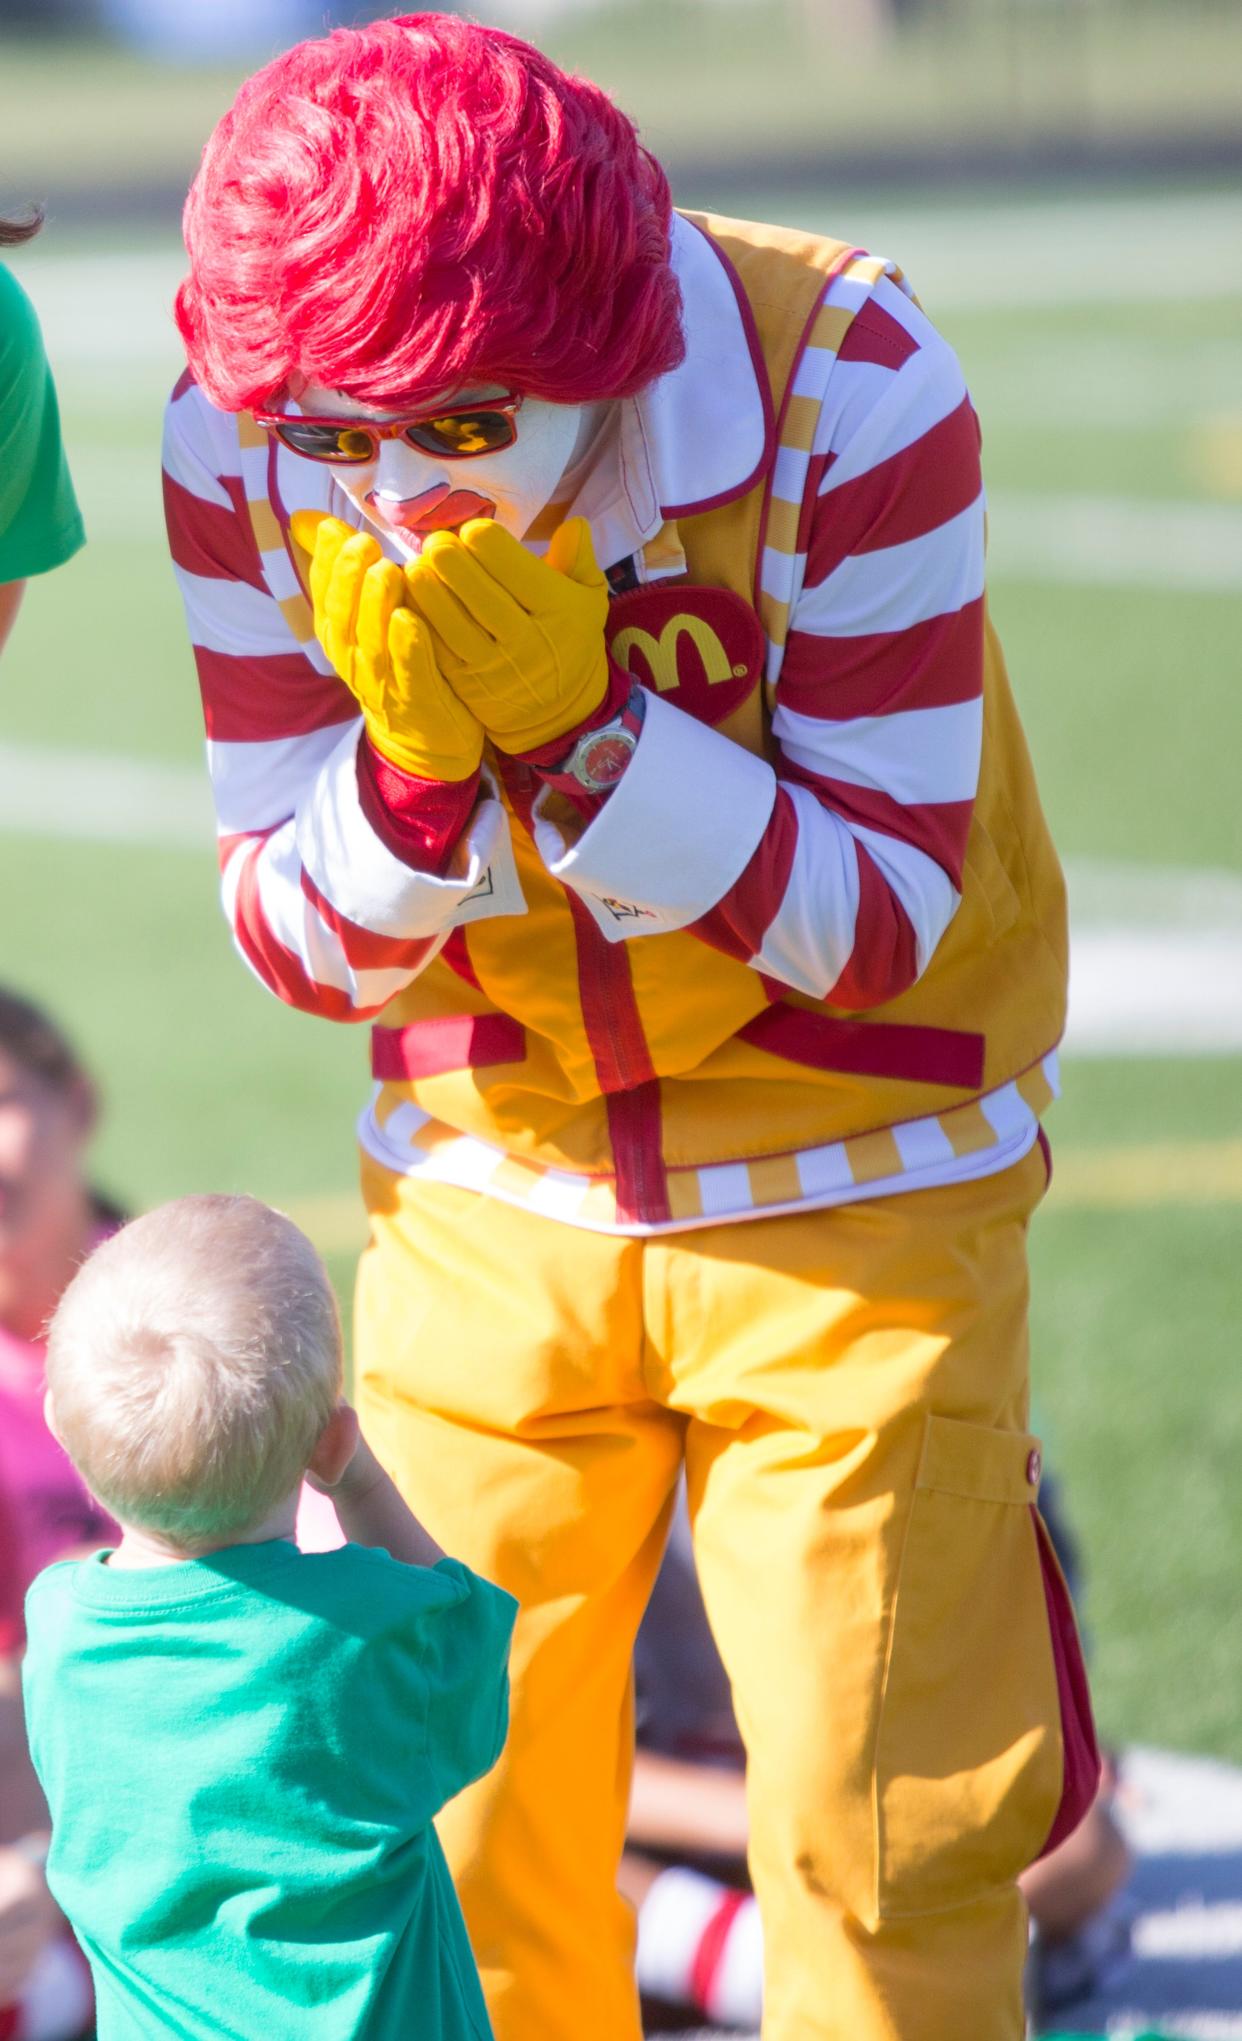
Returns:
point(1085, 541)
point(1188, 1933)
point(1115, 541)
point(1131, 2023)
point(90, 797)
point(110, 308)
point(1156, 963)
point(1155, 960)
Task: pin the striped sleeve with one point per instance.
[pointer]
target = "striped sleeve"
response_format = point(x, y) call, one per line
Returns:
point(878, 712)
point(837, 873)
point(322, 882)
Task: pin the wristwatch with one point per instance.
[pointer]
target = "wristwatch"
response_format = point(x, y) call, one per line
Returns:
point(599, 757)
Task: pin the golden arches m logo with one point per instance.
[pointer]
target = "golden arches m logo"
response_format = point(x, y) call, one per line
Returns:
point(661, 653)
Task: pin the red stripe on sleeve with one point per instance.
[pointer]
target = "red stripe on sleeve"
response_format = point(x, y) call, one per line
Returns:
point(281, 970)
point(902, 498)
point(875, 336)
point(364, 949)
point(927, 666)
point(938, 828)
point(739, 921)
point(884, 960)
point(254, 699)
point(817, 467)
point(210, 538)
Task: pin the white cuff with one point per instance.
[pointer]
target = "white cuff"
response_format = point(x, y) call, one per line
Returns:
point(346, 861)
point(677, 830)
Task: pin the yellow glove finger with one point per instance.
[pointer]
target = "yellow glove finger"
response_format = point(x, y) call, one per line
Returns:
point(321, 537)
point(382, 592)
point(572, 554)
point(438, 737)
point(487, 601)
point(460, 641)
point(338, 627)
point(527, 579)
point(304, 524)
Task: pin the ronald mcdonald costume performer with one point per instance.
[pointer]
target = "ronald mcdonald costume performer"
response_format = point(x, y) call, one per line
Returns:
point(588, 603)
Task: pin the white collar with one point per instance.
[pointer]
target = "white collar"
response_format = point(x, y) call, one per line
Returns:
point(697, 437)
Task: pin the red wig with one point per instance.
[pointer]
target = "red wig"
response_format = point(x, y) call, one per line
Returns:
point(400, 209)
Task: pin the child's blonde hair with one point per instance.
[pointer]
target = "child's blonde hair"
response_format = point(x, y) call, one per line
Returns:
point(193, 1362)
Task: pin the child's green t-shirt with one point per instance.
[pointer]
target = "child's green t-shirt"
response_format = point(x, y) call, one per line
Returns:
point(242, 1756)
point(40, 525)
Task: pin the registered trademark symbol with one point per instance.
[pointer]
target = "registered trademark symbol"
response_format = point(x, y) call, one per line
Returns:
point(740, 672)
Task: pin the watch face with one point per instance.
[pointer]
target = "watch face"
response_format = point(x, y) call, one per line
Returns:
point(602, 762)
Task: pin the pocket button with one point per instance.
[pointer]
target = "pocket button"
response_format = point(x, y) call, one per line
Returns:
point(1034, 1466)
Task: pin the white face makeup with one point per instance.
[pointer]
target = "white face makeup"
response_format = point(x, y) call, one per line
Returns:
point(406, 494)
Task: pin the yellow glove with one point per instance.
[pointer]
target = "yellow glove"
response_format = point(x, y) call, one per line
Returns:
point(383, 653)
point(520, 640)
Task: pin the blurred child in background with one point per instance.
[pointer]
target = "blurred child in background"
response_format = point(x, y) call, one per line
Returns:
point(50, 1217)
point(253, 1740)
point(40, 525)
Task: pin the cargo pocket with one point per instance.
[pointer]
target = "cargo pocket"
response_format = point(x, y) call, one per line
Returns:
point(970, 1775)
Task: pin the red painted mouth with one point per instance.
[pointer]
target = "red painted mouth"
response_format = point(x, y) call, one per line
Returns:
point(441, 508)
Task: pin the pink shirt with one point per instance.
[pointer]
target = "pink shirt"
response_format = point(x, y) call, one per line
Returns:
point(50, 1509)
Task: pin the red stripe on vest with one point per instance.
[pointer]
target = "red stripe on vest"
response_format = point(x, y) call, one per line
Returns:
point(456, 954)
point(1081, 1757)
point(824, 1041)
point(456, 1041)
point(624, 1070)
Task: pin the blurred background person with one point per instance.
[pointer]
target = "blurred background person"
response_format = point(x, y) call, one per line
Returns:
point(50, 1217)
point(40, 524)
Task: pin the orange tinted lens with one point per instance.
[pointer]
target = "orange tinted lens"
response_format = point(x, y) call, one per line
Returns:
point(462, 433)
point(320, 441)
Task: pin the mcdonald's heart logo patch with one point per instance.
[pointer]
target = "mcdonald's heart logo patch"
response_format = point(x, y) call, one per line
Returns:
point(703, 648)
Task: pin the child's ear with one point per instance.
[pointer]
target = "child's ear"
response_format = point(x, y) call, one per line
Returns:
point(335, 1446)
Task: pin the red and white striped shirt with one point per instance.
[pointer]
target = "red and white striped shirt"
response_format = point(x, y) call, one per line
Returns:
point(835, 873)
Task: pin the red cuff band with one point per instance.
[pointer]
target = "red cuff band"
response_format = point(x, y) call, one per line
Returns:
point(418, 820)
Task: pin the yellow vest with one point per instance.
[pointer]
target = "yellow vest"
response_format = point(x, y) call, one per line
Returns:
point(659, 1017)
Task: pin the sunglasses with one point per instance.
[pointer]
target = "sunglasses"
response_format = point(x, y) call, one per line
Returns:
point(459, 432)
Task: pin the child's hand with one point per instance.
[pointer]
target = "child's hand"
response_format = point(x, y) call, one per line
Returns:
point(368, 1506)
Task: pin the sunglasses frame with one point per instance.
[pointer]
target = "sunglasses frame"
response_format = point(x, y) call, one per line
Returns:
point(380, 429)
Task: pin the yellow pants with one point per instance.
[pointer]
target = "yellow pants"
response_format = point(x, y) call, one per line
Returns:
point(849, 1392)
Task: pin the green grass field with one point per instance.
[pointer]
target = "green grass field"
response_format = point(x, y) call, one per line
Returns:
point(1119, 395)
point(772, 76)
